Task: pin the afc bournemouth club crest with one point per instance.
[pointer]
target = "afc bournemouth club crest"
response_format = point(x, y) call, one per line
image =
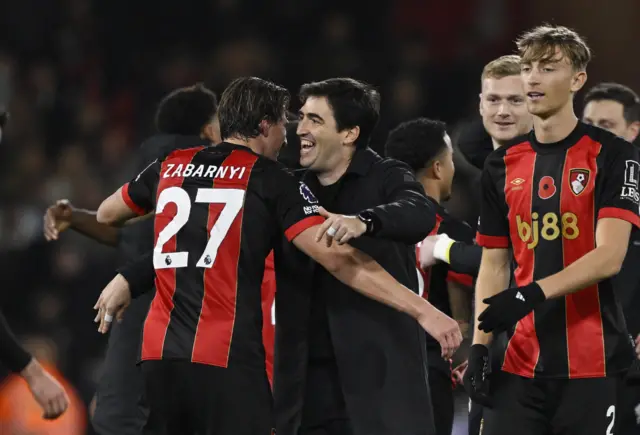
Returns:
point(578, 180)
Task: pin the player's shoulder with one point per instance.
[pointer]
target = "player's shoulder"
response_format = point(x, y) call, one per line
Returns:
point(609, 144)
point(601, 136)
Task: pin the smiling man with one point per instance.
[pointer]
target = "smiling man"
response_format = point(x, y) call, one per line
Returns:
point(353, 356)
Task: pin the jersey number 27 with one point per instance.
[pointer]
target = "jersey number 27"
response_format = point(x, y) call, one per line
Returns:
point(233, 200)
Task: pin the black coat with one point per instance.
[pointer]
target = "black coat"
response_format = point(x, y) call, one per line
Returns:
point(380, 352)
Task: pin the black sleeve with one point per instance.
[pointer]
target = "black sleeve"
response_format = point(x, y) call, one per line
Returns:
point(295, 205)
point(407, 216)
point(140, 274)
point(465, 258)
point(464, 255)
point(140, 193)
point(619, 195)
point(12, 355)
point(493, 227)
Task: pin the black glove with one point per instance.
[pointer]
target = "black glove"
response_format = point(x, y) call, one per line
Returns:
point(475, 379)
point(509, 306)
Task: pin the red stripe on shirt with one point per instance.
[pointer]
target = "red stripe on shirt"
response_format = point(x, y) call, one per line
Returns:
point(132, 205)
point(523, 349)
point(585, 335)
point(294, 230)
point(460, 278)
point(619, 213)
point(214, 333)
point(155, 326)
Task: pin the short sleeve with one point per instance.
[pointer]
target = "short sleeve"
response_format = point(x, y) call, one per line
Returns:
point(139, 194)
point(619, 195)
point(493, 227)
point(296, 206)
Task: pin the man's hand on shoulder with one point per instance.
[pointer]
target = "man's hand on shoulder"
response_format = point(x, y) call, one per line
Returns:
point(339, 228)
point(57, 219)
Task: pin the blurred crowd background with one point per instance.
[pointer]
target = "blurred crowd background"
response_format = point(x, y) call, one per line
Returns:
point(81, 79)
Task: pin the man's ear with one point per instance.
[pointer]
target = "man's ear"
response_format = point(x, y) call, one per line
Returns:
point(352, 135)
point(264, 128)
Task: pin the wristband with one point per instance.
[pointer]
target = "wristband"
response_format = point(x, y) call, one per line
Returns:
point(442, 248)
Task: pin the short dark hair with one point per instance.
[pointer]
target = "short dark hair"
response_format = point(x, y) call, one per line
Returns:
point(246, 102)
point(354, 103)
point(619, 93)
point(417, 142)
point(186, 111)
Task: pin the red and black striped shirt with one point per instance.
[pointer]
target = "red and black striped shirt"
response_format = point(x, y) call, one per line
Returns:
point(544, 201)
point(218, 212)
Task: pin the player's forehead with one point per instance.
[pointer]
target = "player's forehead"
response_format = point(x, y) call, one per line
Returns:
point(503, 86)
point(318, 105)
point(599, 109)
point(546, 54)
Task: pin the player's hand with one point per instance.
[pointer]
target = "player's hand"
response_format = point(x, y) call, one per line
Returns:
point(57, 219)
point(427, 258)
point(46, 390)
point(475, 379)
point(638, 346)
point(458, 372)
point(113, 302)
point(339, 227)
point(506, 308)
point(443, 329)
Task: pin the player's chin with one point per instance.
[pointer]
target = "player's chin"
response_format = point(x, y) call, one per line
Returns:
point(503, 134)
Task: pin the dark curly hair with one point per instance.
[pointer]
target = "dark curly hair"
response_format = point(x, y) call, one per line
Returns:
point(417, 142)
point(186, 111)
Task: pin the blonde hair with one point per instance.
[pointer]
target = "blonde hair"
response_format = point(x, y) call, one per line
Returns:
point(502, 67)
point(541, 43)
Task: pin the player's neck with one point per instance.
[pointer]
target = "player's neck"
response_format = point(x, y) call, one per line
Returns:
point(338, 169)
point(251, 144)
point(430, 188)
point(496, 144)
point(556, 127)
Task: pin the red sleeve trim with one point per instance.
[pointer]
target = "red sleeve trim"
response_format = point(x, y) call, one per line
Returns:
point(460, 278)
point(620, 213)
point(294, 230)
point(132, 205)
point(493, 242)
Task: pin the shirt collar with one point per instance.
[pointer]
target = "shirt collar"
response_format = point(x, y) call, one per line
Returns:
point(362, 161)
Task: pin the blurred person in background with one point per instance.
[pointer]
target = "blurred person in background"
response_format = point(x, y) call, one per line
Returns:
point(505, 117)
point(20, 414)
point(48, 393)
point(616, 108)
point(425, 146)
point(353, 355)
point(185, 118)
point(565, 262)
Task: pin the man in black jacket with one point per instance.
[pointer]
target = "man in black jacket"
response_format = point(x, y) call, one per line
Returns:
point(340, 356)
